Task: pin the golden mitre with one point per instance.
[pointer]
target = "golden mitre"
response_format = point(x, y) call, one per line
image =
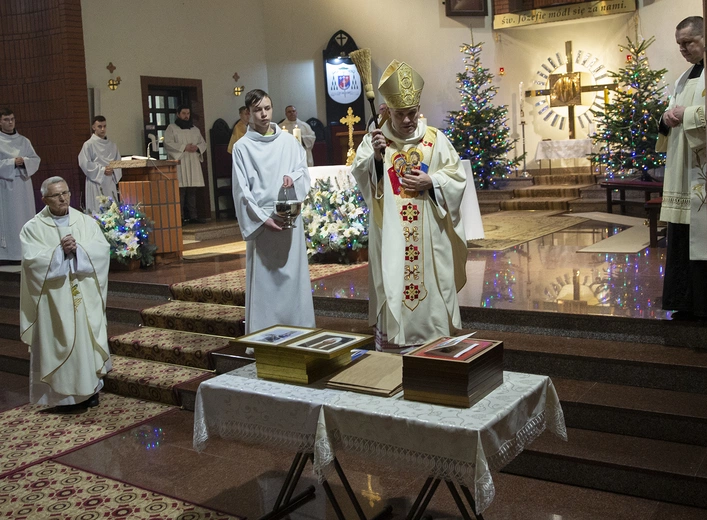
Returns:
point(401, 85)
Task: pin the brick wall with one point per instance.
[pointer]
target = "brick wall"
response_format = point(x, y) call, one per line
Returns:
point(43, 80)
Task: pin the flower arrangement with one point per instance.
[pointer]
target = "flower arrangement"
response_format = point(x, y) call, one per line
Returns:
point(335, 219)
point(126, 229)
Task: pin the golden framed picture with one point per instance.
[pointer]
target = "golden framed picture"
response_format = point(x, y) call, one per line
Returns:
point(329, 342)
point(276, 335)
point(466, 7)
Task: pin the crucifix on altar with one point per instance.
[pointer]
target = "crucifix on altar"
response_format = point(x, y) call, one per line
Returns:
point(565, 90)
point(350, 120)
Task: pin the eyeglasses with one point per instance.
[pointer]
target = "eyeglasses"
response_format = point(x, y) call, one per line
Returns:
point(62, 194)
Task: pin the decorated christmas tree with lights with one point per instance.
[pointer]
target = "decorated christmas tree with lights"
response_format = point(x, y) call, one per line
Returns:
point(627, 128)
point(479, 131)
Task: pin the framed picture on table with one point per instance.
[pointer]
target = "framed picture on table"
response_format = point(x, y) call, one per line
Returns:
point(329, 342)
point(276, 335)
point(466, 7)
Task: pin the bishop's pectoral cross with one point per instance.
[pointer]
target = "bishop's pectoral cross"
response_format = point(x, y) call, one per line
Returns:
point(350, 120)
point(565, 90)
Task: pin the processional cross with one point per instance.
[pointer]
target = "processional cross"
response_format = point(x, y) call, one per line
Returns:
point(350, 120)
point(565, 90)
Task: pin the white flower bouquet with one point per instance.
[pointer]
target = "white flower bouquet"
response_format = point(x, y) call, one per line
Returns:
point(127, 230)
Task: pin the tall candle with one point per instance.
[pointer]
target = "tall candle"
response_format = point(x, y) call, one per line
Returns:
point(297, 133)
point(423, 119)
point(606, 96)
point(520, 99)
point(284, 129)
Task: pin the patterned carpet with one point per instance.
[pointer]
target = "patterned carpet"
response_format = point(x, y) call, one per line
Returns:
point(508, 229)
point(53, 490)
point(229, 288)
point(168, 346)
point(28, 435)
point(144, 379)
point(203, 318)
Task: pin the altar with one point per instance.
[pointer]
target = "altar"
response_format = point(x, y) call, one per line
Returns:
point(564, 149)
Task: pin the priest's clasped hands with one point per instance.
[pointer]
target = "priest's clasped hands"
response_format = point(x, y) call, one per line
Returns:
point(674, 116)
point(68, 244)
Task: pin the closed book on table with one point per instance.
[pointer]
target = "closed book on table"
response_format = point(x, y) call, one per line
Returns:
point(375, 373)
point(453, 371)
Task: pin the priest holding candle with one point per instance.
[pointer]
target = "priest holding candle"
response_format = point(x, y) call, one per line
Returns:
point(301, 131)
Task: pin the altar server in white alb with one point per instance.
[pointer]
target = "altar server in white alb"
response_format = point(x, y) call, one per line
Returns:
point(18, 162)
point(413, 182)
point(307, 135)
point(184, 142)
point(95, 155)
point(270, 165)
point(63, 293)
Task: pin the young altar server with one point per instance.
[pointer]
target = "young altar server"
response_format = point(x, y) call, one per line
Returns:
point(95, 155)
point(271, 165)
point(18, 162)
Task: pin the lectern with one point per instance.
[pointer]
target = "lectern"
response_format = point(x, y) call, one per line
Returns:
point(155, 185)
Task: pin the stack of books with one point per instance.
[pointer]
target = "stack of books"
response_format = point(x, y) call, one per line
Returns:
point(453, 371)
point(300, 355)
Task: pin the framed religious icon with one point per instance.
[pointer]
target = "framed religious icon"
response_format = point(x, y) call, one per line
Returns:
point(466, 7)
point(276, 335)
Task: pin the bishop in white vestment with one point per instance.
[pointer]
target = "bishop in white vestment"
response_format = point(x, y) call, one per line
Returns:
point(63, 293)
point(95, 155)
point(18, 162)
point(270, 165)
point(413, 182)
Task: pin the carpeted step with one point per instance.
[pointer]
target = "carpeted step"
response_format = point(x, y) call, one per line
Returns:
point(550, 191)
point(537, 203)
point(169, 346)
point(202, 318)
point(229, 288)
point(150, 380)
point(572, 178)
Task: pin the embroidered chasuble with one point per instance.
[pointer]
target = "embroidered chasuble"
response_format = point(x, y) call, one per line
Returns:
point(62, 307)
point(417, 249)
point(16, 192)
point(684, 180)
point(278, 288)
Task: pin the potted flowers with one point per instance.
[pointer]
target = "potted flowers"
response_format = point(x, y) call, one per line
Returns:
point(335, 222)
point(127, 230)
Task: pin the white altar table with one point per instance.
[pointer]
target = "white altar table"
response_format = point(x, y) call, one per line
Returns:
point(563, 149)
point(460, 445)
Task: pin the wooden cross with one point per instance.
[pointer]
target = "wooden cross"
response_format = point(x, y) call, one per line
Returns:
point(566, 89)
point(111, 67)
point(350, 120)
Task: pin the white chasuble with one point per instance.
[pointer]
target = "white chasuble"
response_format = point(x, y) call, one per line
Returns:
point(189, 169)
point(16, 192)
point(417, 247)
point(685, 164)
point(95, 155)
point(278, 288)
point(63, 307)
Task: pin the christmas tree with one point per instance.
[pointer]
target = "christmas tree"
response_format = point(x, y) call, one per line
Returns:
point(479, 131)
point(628, 125)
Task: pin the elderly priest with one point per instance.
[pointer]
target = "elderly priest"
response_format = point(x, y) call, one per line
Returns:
point(63, 292)
point(18, 162)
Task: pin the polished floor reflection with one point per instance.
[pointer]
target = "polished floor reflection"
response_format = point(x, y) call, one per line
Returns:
point(549, 275)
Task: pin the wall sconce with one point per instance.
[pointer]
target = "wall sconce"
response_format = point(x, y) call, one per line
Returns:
point(112, 83)
point(237, 91)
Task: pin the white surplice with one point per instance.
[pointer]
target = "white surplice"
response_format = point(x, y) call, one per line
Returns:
point(684, 182)
point(16, 192)
point(63, 307)
point(278, 288)
point(308, 136)
point(95, 155)
point(189, 170)
point(416, 246)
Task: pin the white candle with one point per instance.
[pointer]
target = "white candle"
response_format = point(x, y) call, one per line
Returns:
point(284, 130)
point(297, 133)
point(520, 99)
point(423, 119)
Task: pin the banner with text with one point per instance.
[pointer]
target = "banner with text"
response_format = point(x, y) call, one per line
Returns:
point(562, 13)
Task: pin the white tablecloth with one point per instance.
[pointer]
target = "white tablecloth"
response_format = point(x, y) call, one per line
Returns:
point(471, 215)
point(564, 149)
point(463, 445)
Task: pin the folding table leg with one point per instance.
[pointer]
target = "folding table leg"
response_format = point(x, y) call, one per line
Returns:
point(288, 486)
point(419, 498)
point(458, 500)
point(425, 502)
point(470, 499)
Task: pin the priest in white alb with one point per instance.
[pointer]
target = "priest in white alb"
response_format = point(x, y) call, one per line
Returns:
point(306, 135)
point(413, 182)
point(94, 159)
point(63, 291)
point(270, 165)
point(184, 142)
point(18, 162)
